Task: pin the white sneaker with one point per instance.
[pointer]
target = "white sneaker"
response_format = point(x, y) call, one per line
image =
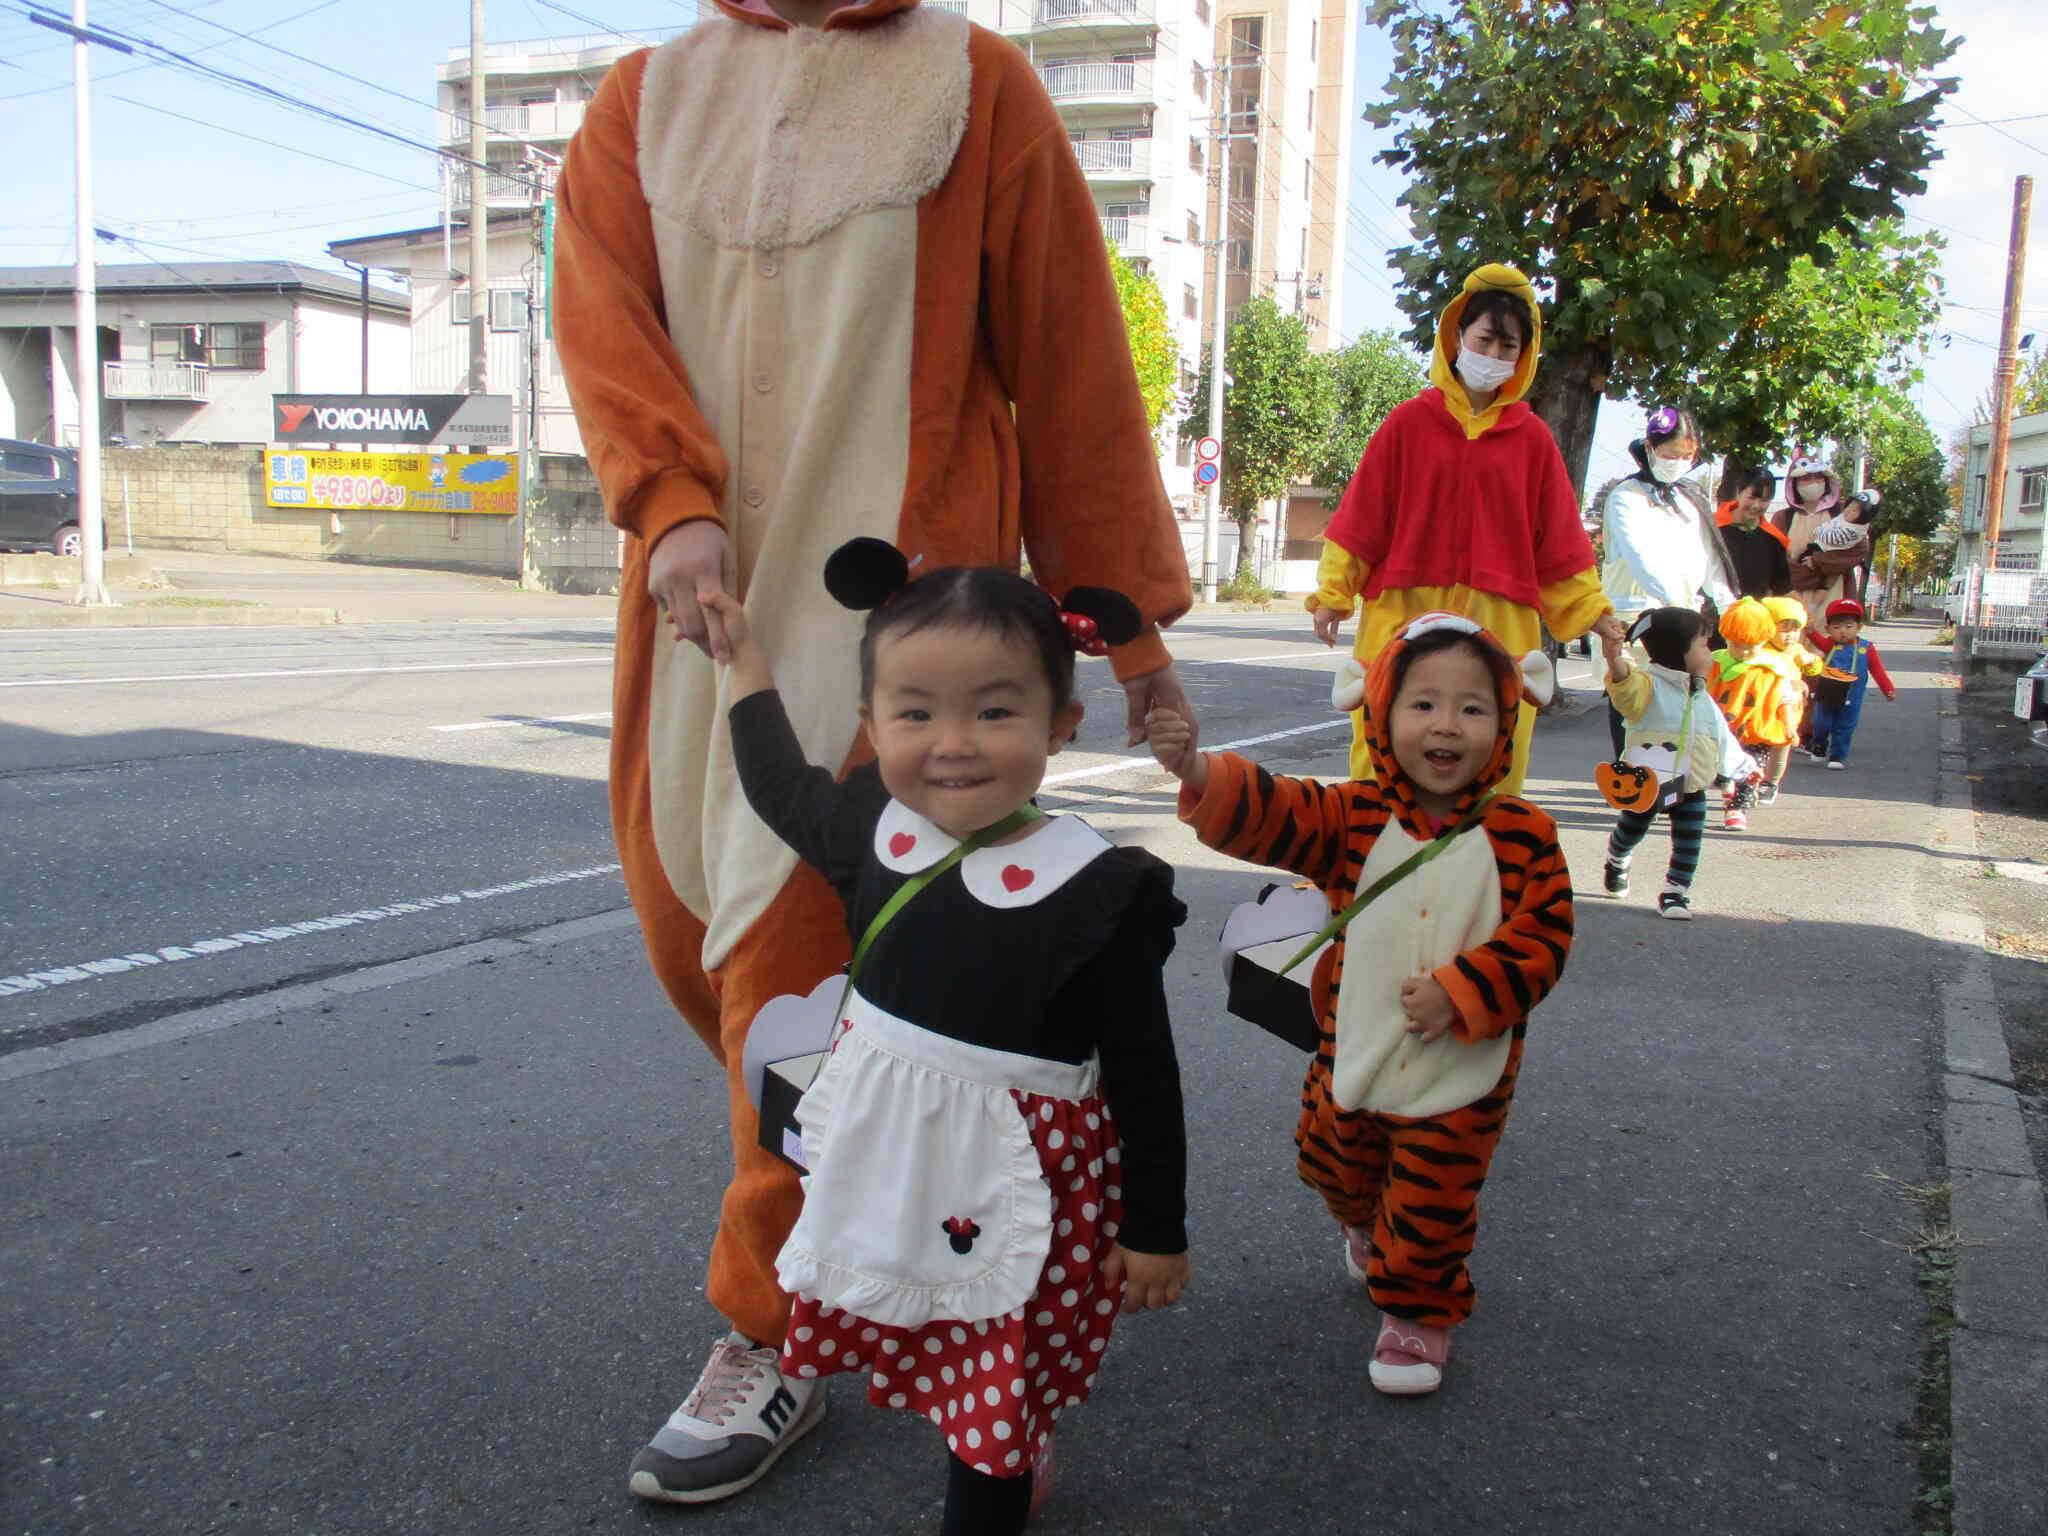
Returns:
point(737, 1421)
point(1836, 765)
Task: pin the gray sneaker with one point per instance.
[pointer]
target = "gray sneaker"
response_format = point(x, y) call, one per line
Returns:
point(737, 1421)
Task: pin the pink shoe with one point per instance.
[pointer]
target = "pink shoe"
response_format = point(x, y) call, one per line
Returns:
point(1737, 819)
point(1041, 1478)
point(1357, 1252)
point(1408, 1358)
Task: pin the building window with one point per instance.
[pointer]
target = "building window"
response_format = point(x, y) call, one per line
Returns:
point(2033, 489)
point(1311, 111)
point(1244, 180)
point(1247, 36)
point(1194, 230)
point(1239, 253)
point(1201, 83)
point(1189, 304)
point(231, 345)
point(1183, 453)
point(1313, 26)
point(508, 308)
point(1194, 154)
point(1202, 11)
point(1308, 169)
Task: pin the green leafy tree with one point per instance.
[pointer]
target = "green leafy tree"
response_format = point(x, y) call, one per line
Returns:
point(1152, 345)
point(1810, 353)
point(1903, 459)
point(1277, 411)
point(1635, 155)
point(2031, 393)
point(1374, 374)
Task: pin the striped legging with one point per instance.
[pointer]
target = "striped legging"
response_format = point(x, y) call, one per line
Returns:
point(1688, 829)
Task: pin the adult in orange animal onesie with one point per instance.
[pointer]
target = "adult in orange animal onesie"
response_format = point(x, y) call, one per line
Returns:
point(813, 283)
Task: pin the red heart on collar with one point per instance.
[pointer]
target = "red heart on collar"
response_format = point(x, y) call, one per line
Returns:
point(901, 844)
point(1015, 877)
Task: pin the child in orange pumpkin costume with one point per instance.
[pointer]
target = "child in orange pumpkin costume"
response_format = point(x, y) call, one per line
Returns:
point(1761, 706)
point(1421, 1043)
point(814, 282)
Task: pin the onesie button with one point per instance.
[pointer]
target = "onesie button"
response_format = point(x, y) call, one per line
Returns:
point(753, 496)
point(770, 267)
point(762, 383)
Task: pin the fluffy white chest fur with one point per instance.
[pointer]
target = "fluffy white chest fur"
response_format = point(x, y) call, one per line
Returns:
point(1449, 905)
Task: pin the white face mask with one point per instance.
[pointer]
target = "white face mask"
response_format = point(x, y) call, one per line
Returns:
point(1483, 373)
point(1668, 470)
point(1812, 490)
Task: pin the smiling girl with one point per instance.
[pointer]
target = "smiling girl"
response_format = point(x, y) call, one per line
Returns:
point(995, 1142)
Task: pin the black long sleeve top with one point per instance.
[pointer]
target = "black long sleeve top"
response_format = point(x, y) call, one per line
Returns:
point(1077, 973)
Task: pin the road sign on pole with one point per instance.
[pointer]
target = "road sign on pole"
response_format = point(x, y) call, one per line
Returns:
point(1208, 448)
point(1206, 472)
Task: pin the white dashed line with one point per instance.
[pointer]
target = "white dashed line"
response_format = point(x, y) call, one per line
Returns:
point(1126, 764)
point(499, 725)
point(604, 660)
point(114, 965)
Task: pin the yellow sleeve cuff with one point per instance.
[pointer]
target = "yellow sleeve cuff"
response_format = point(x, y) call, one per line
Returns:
point(1573, 605)
point(1340, 576)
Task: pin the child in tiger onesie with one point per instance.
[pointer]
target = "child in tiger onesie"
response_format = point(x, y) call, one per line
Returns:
point(1415, 1071)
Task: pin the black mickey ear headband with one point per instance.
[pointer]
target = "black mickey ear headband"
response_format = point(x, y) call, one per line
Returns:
point(1641, 627)
point(863, 574)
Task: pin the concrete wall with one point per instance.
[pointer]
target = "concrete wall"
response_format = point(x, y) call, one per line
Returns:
point(188, 496)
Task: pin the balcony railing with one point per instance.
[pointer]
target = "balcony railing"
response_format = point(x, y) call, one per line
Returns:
point(1126, 232)
point(541, 120)
point(1115, 159)
point(154, 381)
point(1053, 13)
point(1097, 79)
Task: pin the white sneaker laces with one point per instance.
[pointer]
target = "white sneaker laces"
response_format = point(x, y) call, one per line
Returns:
point(728, 1376)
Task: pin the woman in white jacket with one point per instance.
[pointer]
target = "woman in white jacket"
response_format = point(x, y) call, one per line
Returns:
point(1661, 547)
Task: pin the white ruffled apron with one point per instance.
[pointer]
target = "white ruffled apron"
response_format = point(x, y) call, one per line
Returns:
point(926, 1200)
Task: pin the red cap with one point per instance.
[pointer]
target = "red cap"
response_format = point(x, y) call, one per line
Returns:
point(1846, 608)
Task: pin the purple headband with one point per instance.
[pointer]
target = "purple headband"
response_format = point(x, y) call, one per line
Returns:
point(1663, 421)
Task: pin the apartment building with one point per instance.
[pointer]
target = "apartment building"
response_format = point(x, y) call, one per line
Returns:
point(1289, 68)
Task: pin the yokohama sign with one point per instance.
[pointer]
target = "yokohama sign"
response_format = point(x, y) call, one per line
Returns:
point(475, 419)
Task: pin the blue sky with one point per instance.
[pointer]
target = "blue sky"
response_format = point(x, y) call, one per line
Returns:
point(231, 176)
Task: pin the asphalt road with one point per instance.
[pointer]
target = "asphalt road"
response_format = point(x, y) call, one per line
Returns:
point(426, 1258)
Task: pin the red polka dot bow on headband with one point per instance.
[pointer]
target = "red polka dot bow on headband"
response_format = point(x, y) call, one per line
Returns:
point(1083, 631)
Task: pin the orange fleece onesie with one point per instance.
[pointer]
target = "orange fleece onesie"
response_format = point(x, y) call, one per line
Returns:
point(812, 284)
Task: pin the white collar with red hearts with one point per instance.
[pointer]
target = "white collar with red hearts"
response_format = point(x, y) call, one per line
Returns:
point(1003, 875)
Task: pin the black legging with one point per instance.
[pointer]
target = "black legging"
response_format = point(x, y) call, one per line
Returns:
point(1688, 829)
point(980, 1505)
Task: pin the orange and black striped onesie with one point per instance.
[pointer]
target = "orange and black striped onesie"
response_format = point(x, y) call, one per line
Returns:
point(1397, 1135)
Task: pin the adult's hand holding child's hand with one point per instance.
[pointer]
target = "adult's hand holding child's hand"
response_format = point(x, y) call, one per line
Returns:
point(687, 565)
point(750, 671)
point(1428, 1006)
point(1172, 740)
point(1151, 1280)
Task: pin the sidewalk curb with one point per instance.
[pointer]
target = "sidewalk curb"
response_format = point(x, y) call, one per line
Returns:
point(1998, 1353)
point(168, 617)
point(247, 1010)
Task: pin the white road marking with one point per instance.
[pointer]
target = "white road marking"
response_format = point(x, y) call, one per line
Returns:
point(498, 725)
point(1236, 661)
point(604, 660)
point(1126, 764)
point(114, 965)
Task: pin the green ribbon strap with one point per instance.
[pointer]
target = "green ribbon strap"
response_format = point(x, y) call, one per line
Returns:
point(1389, 880)
point(1018, 819)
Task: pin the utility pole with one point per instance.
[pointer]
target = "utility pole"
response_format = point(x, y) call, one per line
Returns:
point(1213, 506)
point(92, 569)
point(479, 213)
point(2003, 377)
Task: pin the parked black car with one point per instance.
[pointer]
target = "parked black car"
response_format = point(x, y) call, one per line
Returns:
point(38, 497)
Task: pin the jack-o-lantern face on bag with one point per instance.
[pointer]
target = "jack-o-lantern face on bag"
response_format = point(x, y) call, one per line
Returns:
point(1626, 786)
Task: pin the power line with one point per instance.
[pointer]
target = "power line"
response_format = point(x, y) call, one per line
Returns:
point(269, 93)
point(150, 106)
point(65, 85)
point(1987, 123)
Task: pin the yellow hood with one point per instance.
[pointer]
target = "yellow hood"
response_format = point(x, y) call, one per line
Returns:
point(1445, 377)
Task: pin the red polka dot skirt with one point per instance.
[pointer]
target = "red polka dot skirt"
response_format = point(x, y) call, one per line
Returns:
point(994, 1387)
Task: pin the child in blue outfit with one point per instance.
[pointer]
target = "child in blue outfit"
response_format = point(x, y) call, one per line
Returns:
point(1849, 666)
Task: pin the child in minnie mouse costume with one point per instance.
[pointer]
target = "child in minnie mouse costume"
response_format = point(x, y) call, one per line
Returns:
point(1456, 938)
point(995, 1142)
